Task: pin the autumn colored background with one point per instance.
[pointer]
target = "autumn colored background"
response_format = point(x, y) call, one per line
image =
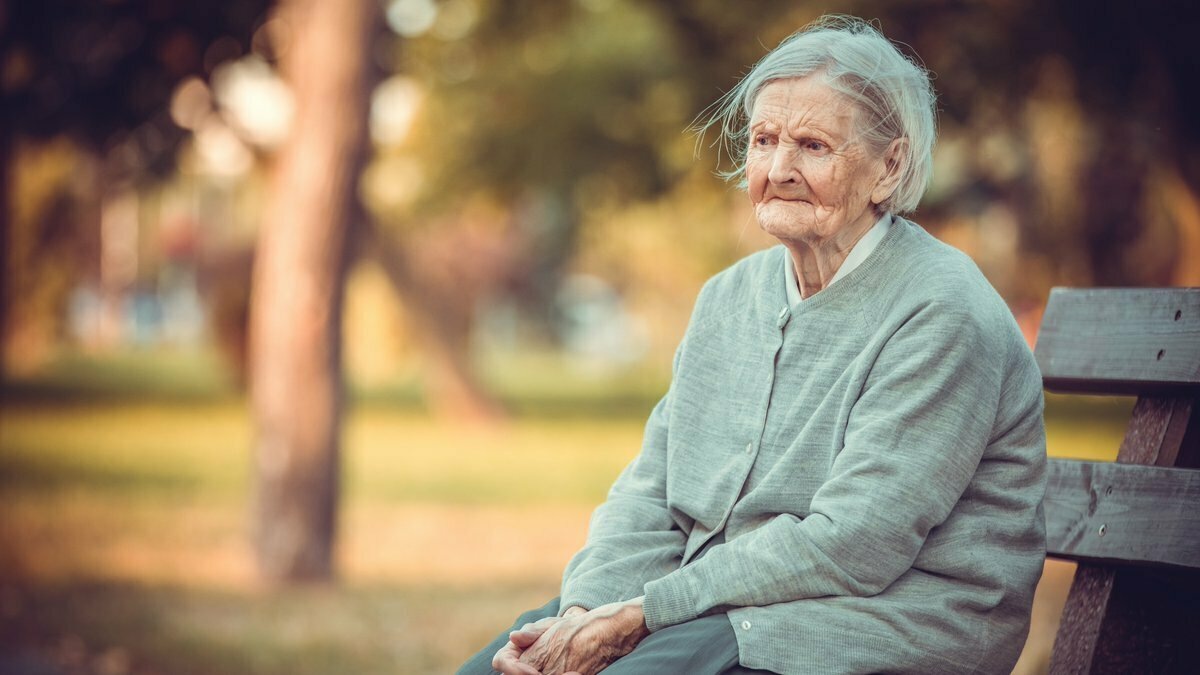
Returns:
point(325, 324)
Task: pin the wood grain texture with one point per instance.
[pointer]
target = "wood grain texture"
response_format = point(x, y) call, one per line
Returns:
point(1120, 340)
point(1123, 513)
point(1083, 615)
point(1156, 431)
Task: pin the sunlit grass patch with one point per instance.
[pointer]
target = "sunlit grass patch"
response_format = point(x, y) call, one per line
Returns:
point(143, 492)
point(397, 457)
point(130, 449)
point(182, 375)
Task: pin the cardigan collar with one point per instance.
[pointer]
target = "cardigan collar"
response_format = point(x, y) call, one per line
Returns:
point(772, 302)
point(858, 253)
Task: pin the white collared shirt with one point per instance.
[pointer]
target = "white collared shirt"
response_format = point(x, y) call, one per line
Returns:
point(857, 255)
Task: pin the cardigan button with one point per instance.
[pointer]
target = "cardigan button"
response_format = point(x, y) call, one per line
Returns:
point(745, 625)
point(749, 448)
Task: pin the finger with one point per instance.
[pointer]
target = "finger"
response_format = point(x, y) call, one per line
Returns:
point(530, 632)
point(540, 624)
point(523, 639)
point(507, 662)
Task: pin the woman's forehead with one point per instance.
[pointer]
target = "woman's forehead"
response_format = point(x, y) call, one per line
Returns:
point(802, 101)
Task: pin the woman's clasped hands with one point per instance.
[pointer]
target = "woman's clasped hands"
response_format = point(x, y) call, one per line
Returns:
point(580, 641)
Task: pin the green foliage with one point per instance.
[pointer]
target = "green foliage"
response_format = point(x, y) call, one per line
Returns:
point(553, 98)
point(101, 71)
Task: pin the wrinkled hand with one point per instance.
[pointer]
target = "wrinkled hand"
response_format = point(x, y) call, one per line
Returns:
point(586, 643)
point(507, 660)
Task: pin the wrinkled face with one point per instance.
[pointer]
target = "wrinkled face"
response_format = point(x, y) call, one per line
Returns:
point(809, 176)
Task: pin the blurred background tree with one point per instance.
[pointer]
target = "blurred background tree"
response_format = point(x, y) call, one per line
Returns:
point(84, 102)
point(299, 276)
point(1063, 160)
point(516, 143)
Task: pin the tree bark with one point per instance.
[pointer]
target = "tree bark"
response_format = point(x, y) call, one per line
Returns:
point(299, 273)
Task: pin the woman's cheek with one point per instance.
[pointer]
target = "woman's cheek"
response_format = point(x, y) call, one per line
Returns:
point(755, 181)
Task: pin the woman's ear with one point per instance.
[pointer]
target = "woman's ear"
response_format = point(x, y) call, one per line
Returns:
point(893, 169)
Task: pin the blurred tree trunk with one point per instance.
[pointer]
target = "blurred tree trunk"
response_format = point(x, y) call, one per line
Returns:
point(299, 274)
point(6, 155)
point(443, 323)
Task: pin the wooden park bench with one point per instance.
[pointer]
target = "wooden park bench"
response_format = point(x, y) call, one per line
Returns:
point(1132, 526)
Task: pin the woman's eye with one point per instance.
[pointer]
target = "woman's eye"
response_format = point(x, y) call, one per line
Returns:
point(815, 146)
point(761, 140)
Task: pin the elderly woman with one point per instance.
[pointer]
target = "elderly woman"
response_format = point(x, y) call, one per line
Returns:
point(846, 474)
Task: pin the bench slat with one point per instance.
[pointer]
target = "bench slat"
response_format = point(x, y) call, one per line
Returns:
point(1148, 514)
point(1120, 340)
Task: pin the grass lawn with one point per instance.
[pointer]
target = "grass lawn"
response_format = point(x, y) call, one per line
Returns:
point(123, 534)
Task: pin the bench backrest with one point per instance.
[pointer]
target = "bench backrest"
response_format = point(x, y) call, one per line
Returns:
point(1134, 526)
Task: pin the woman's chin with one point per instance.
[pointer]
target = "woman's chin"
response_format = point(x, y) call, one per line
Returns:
point(785, 229)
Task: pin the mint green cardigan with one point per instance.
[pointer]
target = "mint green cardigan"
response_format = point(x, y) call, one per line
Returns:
point(871, 464)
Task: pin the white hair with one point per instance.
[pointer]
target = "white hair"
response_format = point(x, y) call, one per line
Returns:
point(893, 93)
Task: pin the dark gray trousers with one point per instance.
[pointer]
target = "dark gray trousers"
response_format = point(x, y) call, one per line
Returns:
point(705, 646)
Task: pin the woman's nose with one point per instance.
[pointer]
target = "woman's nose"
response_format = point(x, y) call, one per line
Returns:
point(783, 166)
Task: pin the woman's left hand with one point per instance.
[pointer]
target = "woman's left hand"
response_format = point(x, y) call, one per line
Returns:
point(586, 643)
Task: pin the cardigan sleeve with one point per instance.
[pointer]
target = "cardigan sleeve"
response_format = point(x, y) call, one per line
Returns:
point(913, 441)
point(633, 537)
